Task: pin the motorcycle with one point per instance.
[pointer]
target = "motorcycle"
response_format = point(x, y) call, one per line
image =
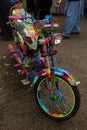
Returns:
point(55, 89)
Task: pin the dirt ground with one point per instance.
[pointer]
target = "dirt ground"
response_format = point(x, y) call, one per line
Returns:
point(18, 109)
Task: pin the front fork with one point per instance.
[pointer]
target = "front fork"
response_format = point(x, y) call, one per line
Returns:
point(48, 71)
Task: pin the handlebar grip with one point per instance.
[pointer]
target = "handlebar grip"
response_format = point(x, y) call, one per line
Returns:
point(18, 17)
point(14, 17)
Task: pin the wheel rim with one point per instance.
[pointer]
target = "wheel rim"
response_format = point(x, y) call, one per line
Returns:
point(63, 106)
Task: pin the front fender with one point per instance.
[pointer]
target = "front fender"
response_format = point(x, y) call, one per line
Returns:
point(66, 75)
point(60, 72)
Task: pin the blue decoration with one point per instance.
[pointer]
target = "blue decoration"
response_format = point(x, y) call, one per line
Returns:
point(12, 1)
point(48, 17)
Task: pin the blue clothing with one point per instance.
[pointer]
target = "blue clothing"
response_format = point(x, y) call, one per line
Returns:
point(12, 1)
point(72, 23)
point(82, 7)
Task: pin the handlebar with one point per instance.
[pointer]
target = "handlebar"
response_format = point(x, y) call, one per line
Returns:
point(18, 17)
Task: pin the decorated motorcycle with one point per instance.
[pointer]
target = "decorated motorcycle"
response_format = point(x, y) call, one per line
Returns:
point(55, 89)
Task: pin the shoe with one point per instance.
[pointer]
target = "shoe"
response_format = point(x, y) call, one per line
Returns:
point(65, 37)
point(76, 33)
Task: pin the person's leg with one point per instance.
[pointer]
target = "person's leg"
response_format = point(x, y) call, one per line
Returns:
point(76, 28)
point(82, 7)
point(71, 18)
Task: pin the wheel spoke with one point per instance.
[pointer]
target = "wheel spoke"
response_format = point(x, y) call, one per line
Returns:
point(62, 103)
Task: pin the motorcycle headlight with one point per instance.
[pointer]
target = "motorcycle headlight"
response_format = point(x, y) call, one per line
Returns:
point(56, 38)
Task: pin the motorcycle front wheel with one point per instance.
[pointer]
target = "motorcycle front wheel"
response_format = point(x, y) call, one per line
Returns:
point(65, 101)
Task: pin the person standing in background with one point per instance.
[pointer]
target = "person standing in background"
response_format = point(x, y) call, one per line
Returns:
point(6, 32)
point(30, 5)
point(44, 7)
point(73, 9)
